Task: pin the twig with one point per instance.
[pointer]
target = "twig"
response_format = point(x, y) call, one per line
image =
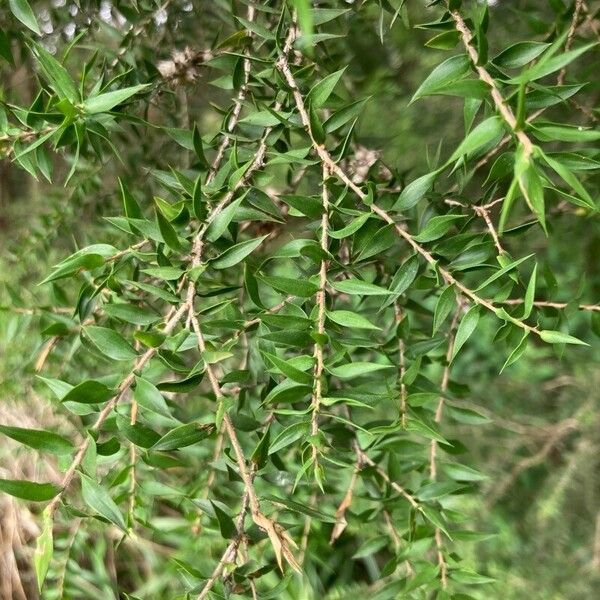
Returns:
point(434, 445)
point(321, 308)
point(501, 105)
point(335, 169)
point(402, 367)
point(547, 304)
point(364, 458)
point(230, 551)
point(239, 102)
point(340, 513)
point(570, 38)
point(280, 540)
point(443, 387)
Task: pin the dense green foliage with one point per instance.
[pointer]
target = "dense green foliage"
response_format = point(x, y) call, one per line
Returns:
point(264, 265)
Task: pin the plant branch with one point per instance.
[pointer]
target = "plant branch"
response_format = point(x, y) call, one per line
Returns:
point(321, 309)
point(501, 105)
point(335, 169)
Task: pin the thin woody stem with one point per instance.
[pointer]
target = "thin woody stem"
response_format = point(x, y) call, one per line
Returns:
point(237, 108)
point(401, 367)
point(321, 311)
point(500, 103)
point(336, 170)
point(434, 445)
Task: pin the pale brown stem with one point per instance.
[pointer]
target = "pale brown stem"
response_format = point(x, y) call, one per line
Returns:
point(364, 457)
point(321, 310)
point(340, 513)
point(501, 105)
point(230, 552)
point(570, 38)
point(444, 388)
point(402, 367)
point(483, 213)
point(335, 169)
point(237, 108)
point(547, 304)
point(440, 557)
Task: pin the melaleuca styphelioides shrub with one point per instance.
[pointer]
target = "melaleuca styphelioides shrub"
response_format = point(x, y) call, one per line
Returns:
point(254, 357)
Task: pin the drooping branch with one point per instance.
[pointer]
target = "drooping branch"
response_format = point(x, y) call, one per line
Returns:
point(334, 168)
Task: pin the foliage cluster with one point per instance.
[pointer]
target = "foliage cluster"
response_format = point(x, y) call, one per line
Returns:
point(263, 354)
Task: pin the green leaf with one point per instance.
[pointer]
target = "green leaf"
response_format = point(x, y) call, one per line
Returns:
point(44, 549)
point(460, 472)
point(565, 133)
point(350, 319)
point(503, 271)
point(519, 54)
point(289, 435)
point(45, 441)
point(305, 20)
point(167, 231)
point(402, 279)
point(358, 287)
point(321, 91)
point(370, 546)
point(132, 208)
point(466, 327)
point(99, 500)
point(105, 102)
point(443, 307)
point(296, 507)
point(545, 67)
point(110, 343)
point(89, 392)
point(567, 176)
point(86, 259)
point(558, 337)
point(293, 287)
point(470, 577)
point(351, 228)
point(437, 227)
point(226, 524)
point(131, 314)
point(22, 11)
point(237, 253)
point(57, 75)
point(434, 491)
point(356, 369)
point(486, 132)
point(137, 433)
point(414, 191)
point(532, 188)
point(529, 294)
point(289, 370)
point(148, 396)
point(444, 74)
point(29, 490)
point(220, 222)
point(183, 436)
point(517, 352)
